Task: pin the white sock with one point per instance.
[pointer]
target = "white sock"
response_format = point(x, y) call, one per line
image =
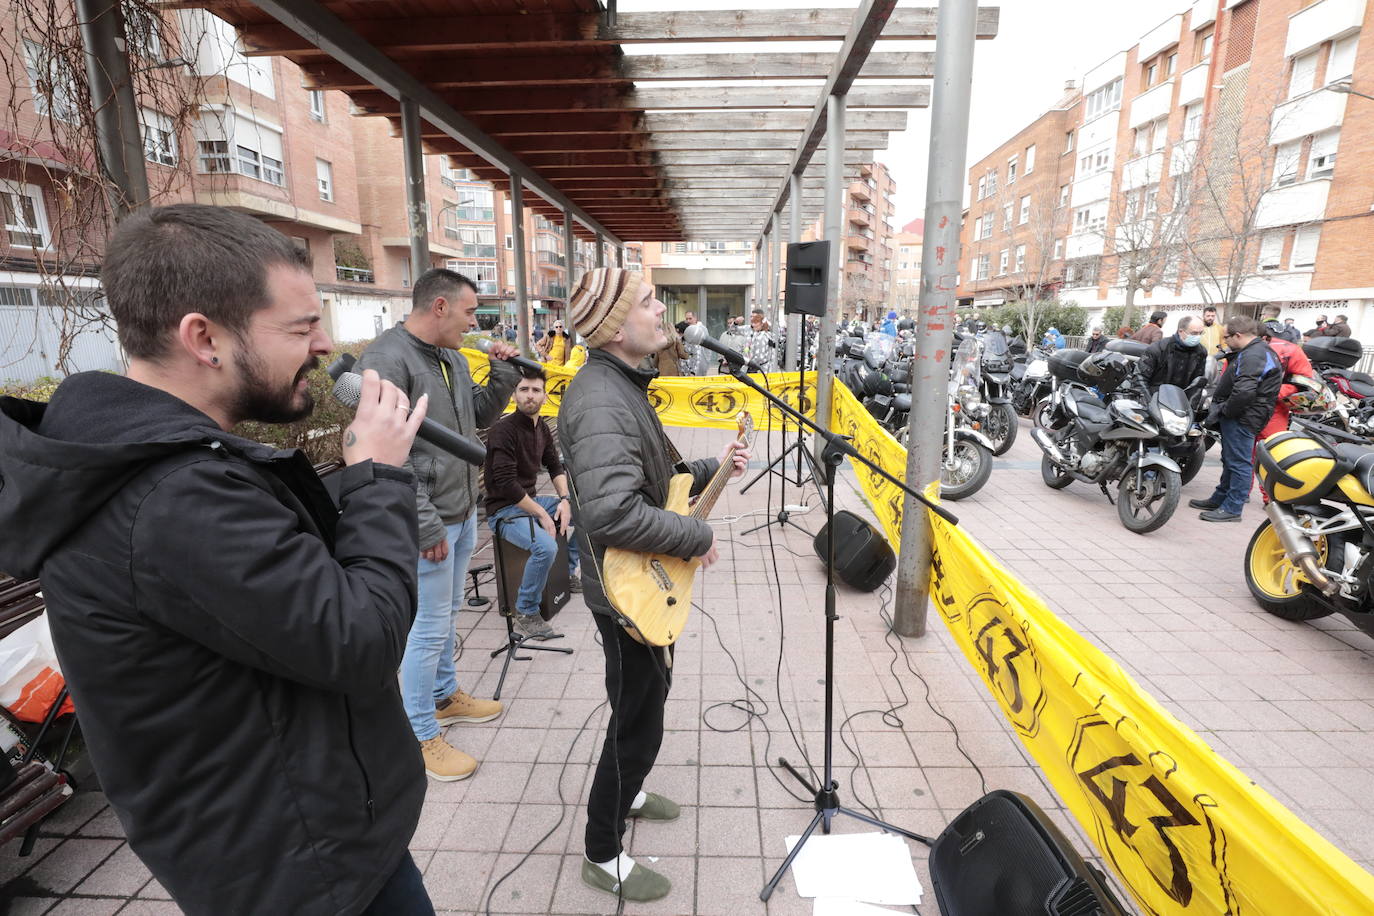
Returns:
point(622, 862)
point(640, 799)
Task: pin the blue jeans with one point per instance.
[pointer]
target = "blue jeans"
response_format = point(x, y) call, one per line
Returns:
point(1237, 466)
point(524, 532)
point(427, 674)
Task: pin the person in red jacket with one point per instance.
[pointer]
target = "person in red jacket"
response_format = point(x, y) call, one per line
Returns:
point(1294, 362)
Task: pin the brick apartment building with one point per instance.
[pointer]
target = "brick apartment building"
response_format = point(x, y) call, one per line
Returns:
point(906, 269)
point(1216, 161)
point(869, 209)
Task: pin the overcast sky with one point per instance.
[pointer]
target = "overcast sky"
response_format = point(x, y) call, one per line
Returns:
point(1017, 76)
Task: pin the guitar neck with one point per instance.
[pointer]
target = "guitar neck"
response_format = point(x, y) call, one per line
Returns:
point(707, 500)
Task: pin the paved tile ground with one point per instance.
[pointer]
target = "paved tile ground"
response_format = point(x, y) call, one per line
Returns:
point(1288, 703)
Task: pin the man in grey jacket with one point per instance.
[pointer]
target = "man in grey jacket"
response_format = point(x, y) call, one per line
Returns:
point(420, 356)
point(620, 461)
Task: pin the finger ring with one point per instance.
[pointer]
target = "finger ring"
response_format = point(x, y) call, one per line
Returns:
point(402, 407)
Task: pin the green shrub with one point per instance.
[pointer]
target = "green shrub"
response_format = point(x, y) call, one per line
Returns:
point(1069, 319)
point(39, 390)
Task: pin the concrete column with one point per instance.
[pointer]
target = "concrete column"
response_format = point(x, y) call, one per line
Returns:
point(620, 256)
point(417, 202)
point(954, 37)
point(834, 232)
point(600, 250)
point(118, 132)
point(569, 256)
point(522, 297)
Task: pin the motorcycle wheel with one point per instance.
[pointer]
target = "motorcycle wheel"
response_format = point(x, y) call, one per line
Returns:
point(1274, 582)
point(972, 466)
point(1041, 414)
point(1001, 427)
point(1150, 510)
point(1053, 475)
point(1192, 462)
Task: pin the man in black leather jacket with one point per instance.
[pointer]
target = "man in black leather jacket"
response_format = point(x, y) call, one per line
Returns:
point(1177, 359)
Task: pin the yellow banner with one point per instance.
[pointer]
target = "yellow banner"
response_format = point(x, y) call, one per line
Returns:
point(712, 401)
point(1185, 831)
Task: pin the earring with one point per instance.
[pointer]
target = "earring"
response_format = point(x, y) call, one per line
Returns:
point(214, 360)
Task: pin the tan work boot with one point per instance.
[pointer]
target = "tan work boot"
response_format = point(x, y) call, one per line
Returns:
point(445, 762)
point(463, 708)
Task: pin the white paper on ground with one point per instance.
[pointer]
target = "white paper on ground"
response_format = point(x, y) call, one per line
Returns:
point(841, 906)
point(872, 867)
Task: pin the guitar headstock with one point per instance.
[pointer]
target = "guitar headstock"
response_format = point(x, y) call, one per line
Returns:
point(745, 425)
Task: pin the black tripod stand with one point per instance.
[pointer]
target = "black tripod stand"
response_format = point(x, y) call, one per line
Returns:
point(827, 797)
point(805, 464)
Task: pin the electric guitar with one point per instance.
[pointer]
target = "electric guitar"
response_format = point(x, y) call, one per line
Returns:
point(654, 591)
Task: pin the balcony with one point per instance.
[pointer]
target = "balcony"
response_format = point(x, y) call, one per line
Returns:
point(475, 214)
point(1204, 11)
point(858, 243)
point(1142, 170)
point(1192, 85)
point(353, 274)
point(1152, 105)
point(1307, 114)
point(487, 288)
point(1303, 202)
point(548, 259)
point(476, 251)
point(1159, 38)
point(1183, 158)
point(859, 217)
point(549, 291)
point(859, 190)
point(1321, 22)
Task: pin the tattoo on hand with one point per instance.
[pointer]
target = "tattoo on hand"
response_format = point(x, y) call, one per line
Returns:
point(351, 439)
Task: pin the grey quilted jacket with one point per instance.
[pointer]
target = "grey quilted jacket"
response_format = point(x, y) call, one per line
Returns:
point(617, 458)
point(448, 485)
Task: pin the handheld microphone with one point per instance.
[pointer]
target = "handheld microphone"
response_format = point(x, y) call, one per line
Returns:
point(529, 365)
point(697, 336)
point(348, 390)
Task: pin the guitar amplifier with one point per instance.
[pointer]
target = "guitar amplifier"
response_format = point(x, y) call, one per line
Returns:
point(1003, 855)
point(510, 569)
point(863, 558)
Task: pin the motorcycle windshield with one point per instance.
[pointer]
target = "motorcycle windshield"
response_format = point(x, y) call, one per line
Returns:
point(965, 365)
point(995, 345)
point(1173, 399)
point(878, 348)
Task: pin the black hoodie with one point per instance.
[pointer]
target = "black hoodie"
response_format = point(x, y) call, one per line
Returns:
point(231, 639)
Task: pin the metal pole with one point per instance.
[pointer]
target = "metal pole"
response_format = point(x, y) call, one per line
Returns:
point(600, 251)
point(834, 228)
point(417, 202)
point(954, 36)
point(569, 254)
point(517, 231)
point(775, 285)
point(118, 134)
point(795, 323)
point(620, 256)
point(766, 243)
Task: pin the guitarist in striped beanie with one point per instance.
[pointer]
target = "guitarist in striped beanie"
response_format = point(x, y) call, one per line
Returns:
point(619, 462)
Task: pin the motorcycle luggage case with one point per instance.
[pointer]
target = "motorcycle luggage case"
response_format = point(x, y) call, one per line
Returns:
point(1341, 352)
point(1064, 364)
point(863, 559)
point(1129, 347)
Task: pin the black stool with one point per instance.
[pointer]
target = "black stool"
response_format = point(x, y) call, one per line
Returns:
point(510, 569)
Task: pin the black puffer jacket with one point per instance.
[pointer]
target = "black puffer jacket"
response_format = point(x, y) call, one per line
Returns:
point(615, 449)
point(1249, 388)
point(231, 639)
point(1172, 362)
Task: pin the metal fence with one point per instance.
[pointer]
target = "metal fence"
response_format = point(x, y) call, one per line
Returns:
point(29, 344)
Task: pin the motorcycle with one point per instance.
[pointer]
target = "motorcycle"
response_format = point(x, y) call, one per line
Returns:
point(995, 374)
point(1033, 381)
point(1313, 555)
point(1334, 359)
point(967, 462)
point(1119, 440)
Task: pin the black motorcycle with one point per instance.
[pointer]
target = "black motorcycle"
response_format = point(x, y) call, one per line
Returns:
point(1031, 380)
point(995, 372)
point(1110, 437)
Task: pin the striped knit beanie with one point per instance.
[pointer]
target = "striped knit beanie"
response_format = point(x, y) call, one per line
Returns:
point(602, 301)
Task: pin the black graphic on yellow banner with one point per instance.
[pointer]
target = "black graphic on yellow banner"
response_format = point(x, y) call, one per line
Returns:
point(1184, 830)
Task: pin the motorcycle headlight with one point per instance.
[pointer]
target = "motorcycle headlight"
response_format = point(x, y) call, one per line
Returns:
point(1174, 424)
point(969, 399)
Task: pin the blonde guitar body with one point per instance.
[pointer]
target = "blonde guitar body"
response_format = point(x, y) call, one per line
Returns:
point(653, 591)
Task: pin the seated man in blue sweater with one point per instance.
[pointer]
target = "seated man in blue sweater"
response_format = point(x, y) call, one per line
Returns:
point(518, 444)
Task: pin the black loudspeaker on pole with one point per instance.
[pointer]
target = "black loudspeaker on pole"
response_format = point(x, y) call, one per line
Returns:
point(808, 278)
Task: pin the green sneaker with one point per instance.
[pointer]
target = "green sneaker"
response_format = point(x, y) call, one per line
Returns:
point(640, 886)
point(656, 808)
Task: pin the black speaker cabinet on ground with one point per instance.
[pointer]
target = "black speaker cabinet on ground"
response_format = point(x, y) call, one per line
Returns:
point(863, 558)
point(510, 569)
point(1003, 856)
point(808, 275)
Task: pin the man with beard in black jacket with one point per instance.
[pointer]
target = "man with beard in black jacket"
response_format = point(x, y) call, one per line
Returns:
point(1242, 404)
point(230, 635)
point(1177, 359)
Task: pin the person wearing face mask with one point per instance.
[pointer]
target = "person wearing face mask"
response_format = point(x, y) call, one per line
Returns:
point(1177, 359)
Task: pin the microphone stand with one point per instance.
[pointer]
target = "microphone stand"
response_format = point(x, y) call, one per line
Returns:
point(827, 797)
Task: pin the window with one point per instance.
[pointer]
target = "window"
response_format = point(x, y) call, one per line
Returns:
point(1151, 69)
point(1006, 217)
point(1286, 159)
point(1160, 135)
point(1305, 247)
point(510, 243)
point(1100, 101)
point(1192, 121)
point(1068, 141)
point(1170, 65)
point(987, 226)
point(1151, 201)
point(1140, 142)
point(1011, 169)
point(477, 205)
point(50, 78)
point(232, 143)
point(1002, 260)
point(1342, 61)
point(1058, 249)
point(981, 271)
point(1063, 195)
point(992, 183)
point(1025, 211)
point(405, 272)
point(1082, 272)
point(1020, 259)
point(1202, 46)
point(143, 31)
point(1132, 208)
point(324, 177)
point(316, 105)
point(1030, 159)
point(1089, 219)
point(982, 187)
point(1322, 161)
point(978, 228)
point(159, 137)
point(1271, 250)
point(26, 222)
point(1304, 75)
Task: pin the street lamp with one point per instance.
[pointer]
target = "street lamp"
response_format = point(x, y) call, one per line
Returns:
point(1346, 87)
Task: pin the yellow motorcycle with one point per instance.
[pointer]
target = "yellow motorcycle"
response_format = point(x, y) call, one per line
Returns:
point(1314, 553)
